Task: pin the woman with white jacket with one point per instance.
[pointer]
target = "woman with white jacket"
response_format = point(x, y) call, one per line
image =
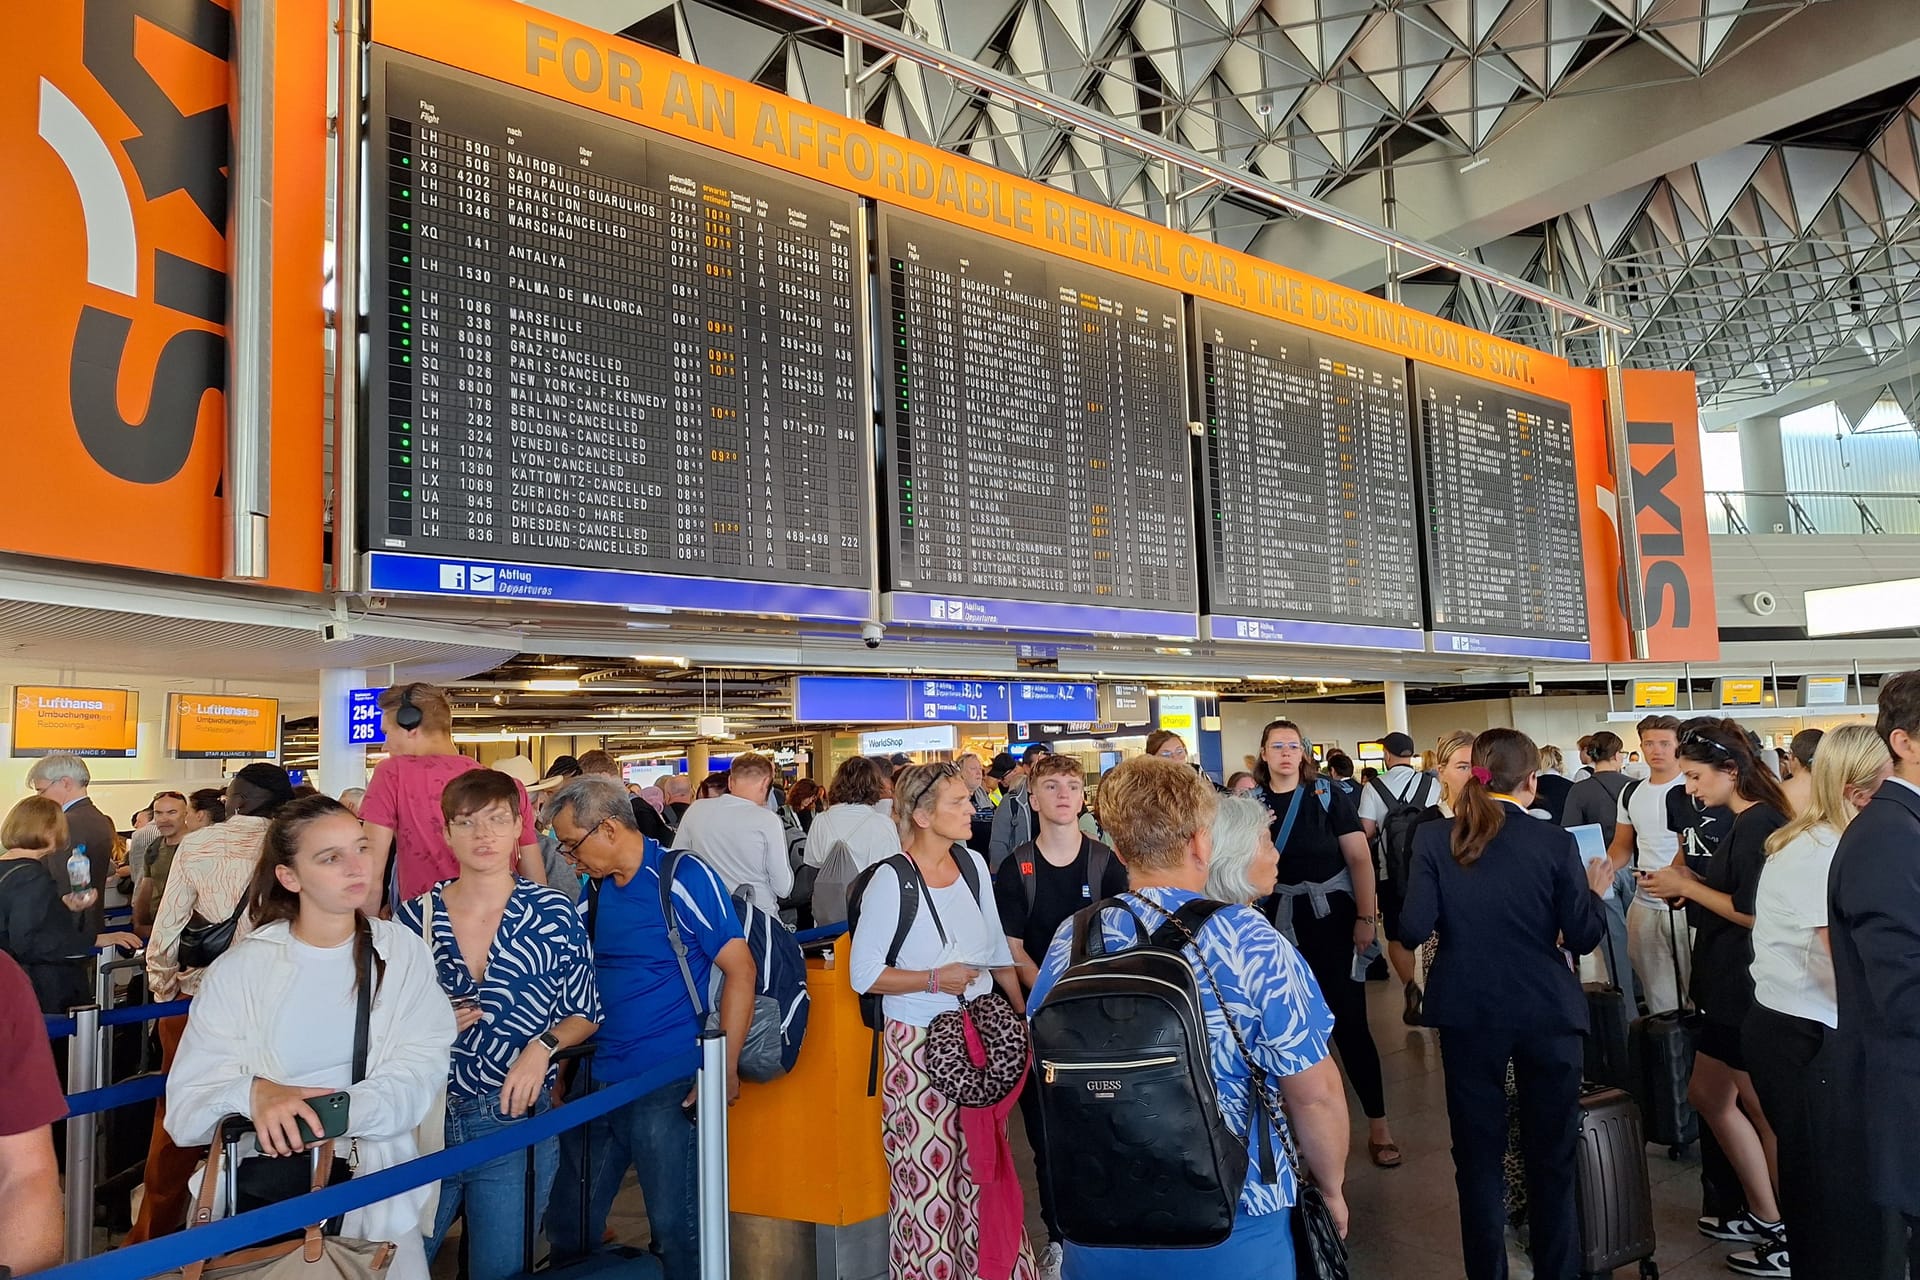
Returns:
point(273, 1023)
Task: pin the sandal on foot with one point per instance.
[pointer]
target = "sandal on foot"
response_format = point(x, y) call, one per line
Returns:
point(1385, 1154)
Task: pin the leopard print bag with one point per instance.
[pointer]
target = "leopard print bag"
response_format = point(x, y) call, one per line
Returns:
point(979, 1053)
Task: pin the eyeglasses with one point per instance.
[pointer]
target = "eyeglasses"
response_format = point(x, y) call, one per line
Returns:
point(158, 796)
point(568, 851)
point(498, 822)
point(1287, 748)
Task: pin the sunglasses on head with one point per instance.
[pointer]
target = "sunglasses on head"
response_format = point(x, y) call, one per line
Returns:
point(1699, 739)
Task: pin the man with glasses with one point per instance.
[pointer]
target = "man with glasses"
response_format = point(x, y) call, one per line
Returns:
point(650, 1025)
point(152, 861)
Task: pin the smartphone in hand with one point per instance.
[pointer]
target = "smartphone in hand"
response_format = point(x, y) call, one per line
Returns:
point(332, 1111)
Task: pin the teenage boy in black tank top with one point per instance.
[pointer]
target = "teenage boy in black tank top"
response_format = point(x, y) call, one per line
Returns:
point(1038, 888)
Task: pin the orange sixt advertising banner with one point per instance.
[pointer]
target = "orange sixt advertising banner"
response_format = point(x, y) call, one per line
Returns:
point(1669, 496)
point(518, 45)
point(114, 136)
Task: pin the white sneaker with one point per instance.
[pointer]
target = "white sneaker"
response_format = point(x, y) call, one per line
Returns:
point(1051, 1261)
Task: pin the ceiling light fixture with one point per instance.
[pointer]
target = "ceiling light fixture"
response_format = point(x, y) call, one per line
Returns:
point(554, 686)
point(1476, 163)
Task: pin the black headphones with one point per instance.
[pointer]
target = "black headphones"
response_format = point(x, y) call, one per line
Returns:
point(406, 715)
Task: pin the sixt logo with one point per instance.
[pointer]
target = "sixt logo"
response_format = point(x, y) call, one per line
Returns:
point(1657, 516)
point(175, 304)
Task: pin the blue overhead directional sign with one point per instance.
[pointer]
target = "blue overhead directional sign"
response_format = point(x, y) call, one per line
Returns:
point(971, 701)
point(1061, 703)
point(877, 700)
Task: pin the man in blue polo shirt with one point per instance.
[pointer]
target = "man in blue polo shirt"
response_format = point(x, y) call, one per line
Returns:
point(650, 1029)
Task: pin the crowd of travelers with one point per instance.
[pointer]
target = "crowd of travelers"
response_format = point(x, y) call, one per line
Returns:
point(456, 948)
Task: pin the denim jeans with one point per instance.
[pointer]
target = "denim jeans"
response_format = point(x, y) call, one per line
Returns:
point(493, 1194)
point(652, 1136)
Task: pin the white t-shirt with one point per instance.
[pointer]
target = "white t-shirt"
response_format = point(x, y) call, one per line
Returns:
point(744, 844)
point(1643, 806)
point(974, 936)
point(870, 835)
point(314, 1033)
point(1792, 968)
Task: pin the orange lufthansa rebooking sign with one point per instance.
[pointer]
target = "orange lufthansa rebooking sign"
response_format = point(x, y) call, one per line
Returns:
point(48, 720)
point(114, 136)
point(221, 726)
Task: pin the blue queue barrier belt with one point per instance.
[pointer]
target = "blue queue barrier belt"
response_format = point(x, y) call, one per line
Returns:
point(229, 1234)
point(822, 934)
point(59, 1027)
point(124, 1094)
point(143, 1013)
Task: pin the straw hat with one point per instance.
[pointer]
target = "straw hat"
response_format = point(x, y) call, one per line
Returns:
point(527, 774)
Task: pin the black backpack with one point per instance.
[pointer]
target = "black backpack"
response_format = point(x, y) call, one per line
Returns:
point(1401, 821)
point(908, 872)
point(1125, 1064)
point(1099, 858)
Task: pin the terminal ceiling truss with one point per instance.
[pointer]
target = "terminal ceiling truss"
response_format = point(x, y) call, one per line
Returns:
point(1772, 263)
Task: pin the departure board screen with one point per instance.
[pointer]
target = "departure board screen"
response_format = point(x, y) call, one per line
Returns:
point(1309, 514)
point(1037, 452)
point(600, 349)
point(1505, 567)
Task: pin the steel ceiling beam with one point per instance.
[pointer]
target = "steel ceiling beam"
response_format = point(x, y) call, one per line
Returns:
point(851, 26)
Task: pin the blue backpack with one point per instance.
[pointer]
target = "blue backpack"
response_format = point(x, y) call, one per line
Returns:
point(780, 998)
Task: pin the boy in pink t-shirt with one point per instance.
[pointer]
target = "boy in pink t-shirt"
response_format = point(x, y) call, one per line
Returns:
point(401, 811)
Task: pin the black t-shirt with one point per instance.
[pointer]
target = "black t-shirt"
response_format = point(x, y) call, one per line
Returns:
point(1058, 892)
point(1722, 950)
point(1312, 852)
point(1700, 828)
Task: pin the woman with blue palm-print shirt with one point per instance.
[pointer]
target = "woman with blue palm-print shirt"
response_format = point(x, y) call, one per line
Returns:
point(514, 959)
point(1159, 815)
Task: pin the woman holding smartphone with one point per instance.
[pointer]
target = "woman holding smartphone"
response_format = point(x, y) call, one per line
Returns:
point(1722, 769)
point(274, 1024)
point(514, 959)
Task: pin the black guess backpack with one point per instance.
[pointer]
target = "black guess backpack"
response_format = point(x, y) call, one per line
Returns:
point(1139, 1155)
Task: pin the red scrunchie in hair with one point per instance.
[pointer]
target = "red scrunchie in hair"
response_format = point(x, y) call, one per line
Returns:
point(1483, 776)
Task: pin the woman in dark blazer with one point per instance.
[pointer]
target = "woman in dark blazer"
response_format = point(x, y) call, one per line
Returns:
point(1509, 894)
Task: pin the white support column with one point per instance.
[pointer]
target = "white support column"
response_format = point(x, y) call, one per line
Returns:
point(341, 766)
point(1763, 469)
point(1396, 691)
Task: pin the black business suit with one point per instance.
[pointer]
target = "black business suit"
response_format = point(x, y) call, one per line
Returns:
point(1870, 1120)
point(1501, 990)
point(86, 825)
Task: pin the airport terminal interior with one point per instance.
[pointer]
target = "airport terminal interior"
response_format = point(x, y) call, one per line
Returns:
point(1495, 420)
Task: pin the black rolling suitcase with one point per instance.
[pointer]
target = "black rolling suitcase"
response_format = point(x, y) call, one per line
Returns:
point(1613, 1196)
point(123, 1134)
point(1609, 1021)
point(1661, 1051)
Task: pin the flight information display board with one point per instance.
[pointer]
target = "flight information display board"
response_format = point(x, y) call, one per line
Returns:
point(1037, 455)
point(608, 366)
point(1505, 572)
point(1311, 534)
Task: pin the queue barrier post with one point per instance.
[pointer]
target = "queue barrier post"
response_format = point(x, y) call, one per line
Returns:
point(710, 1102)
point(83, 1073)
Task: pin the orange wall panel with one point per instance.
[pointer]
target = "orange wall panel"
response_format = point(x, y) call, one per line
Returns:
point(114, 136)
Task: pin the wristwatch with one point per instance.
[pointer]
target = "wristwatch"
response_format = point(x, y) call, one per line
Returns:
point(550, 1040)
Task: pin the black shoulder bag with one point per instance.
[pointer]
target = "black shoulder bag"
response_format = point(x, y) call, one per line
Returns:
point(1318, 1251)
point(203, 941)
point(264, 1180)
